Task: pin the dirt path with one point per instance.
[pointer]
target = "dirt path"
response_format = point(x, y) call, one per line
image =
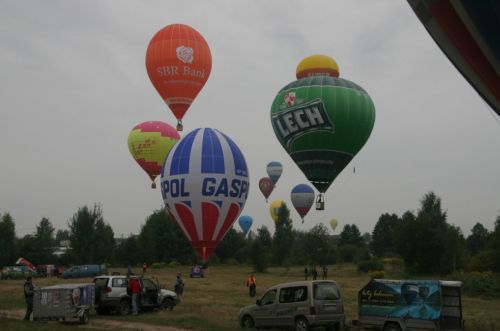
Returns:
point(104, 324)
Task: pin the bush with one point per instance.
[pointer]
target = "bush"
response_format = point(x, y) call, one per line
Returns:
point(370, 265)
point(156, 265)
point(173, 264)
point(377, 274)
point(485, 284)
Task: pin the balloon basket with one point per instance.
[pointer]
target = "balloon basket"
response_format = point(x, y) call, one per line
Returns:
point(179, 126)
point(153, 185)
point(320, 202)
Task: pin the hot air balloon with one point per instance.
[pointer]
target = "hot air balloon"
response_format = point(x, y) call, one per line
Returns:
point(333, 224)
point(149, 143)
point(467, 33)
point(274, 170)
point(302, 197)
point(322, 121)
point(245, 222)
point(274, 209)
point(204, 184)
point(266, 186)
point(178, 62)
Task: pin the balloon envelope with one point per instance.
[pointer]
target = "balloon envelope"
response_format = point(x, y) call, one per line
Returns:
point(205, 185)
point(467, 33)
point(302, 197)
point(322, 122)
point(274, 209)
point(274, 170)
point(333, 224)
point(178, 62)
point(266, 186)
point(149, 143)
point(245, 223)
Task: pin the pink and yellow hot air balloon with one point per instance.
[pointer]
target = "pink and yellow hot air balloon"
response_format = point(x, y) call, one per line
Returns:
point(149, 143)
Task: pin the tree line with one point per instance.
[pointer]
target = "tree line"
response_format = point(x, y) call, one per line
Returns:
point(424, 241)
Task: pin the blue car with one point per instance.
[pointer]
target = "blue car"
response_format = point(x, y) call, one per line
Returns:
point(87, 270)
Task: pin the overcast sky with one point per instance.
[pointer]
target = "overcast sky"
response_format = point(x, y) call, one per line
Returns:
point(73, 83)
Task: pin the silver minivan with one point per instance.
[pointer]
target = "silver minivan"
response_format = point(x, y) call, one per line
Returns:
point(300, 305)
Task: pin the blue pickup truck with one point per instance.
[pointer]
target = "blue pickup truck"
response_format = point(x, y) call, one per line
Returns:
point(87, 270)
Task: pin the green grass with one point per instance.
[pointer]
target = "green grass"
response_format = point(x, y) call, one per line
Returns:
point(212, 303)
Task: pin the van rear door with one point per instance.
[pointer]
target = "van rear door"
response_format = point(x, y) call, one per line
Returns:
point(327, 303)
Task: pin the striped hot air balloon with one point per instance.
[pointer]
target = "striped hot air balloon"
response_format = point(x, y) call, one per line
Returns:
point(205, 184)
point(302, 197)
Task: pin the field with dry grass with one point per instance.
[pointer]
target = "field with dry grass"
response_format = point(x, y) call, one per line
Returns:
point(212, 303)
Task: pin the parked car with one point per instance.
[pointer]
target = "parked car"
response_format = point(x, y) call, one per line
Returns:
point(197, 271)
point(17, 272)
point(111, 294)
point(298, 305)
point(395, 305)
point(88, 270)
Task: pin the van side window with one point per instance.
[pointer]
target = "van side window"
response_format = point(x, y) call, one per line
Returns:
point(268, 298)
point(120, 282)
point(293, 294)
point(326, 291)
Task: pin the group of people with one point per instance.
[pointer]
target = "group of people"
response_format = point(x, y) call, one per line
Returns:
point(314, 273)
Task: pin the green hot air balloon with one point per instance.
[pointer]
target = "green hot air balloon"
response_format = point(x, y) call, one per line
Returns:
point(322, 121)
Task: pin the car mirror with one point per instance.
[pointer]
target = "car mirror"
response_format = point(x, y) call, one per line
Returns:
point(258, 302)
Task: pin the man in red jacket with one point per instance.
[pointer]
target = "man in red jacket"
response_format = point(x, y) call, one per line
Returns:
point(135, 290)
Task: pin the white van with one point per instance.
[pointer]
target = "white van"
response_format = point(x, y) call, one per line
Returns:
point(300, 305)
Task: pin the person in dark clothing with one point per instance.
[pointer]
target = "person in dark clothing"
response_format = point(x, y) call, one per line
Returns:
point(315, 273)
point(252, 285)
point(179, 285)
point(325, 272)
point(28, 296)
point(306, 272)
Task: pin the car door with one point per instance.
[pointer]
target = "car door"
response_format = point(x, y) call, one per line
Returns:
point(327, 301)
point(149, 292)
point(265, 312)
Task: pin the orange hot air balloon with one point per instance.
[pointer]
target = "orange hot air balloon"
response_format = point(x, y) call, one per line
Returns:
point(178, 62)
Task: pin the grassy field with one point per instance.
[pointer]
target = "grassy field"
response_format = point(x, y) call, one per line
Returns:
point(212, 303)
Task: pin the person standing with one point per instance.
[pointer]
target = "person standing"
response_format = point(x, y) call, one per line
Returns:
point(306, 272)
point(325, 272)
point(315, 273)
point(252, 285)
point(179, 286)
point(135, 290)
point(28, 296)
point(144, 267)
point(129, 270)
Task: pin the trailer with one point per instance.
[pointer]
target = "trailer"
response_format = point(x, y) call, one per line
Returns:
point(399, 305)
point(64, 301)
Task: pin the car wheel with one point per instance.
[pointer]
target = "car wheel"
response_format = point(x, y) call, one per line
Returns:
point(247, 322)
point(124, 307)
point(392, 327)
point(85, 317)
point(167, 303)
point(301, 324)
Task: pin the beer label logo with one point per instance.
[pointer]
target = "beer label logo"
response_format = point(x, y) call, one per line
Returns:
point(298, 120)
point(290, 98)
point(185, 54)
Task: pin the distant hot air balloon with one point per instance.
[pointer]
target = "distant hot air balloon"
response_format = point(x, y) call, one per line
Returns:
point(302, 197)
point(245, 222)
point(274, 209)
point(149, 143)
point(333, 224)
point(468, 34)
point(204, 185)
point(266, 186)
point(322, 121)
point(178, 62)
point(274, 170)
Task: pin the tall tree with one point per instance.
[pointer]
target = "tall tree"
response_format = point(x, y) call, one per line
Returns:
point(260, 249)
point(350, 235)
point(317, 245)
point(384, 235)
point(62, 235)
point(232, 242)
point(44, 245)
point(7, 240)
point(283, 237)
point(92, 239)
point(478, 239)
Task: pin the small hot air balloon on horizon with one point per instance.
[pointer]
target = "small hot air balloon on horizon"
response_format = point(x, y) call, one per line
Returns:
point(178, 62)
point(322, 121)
point(333, 224)
point(274, 209)
point(245, 223)
point(266, 186)
point(274, 170)
point(205, 185)
point(149, 143)
point(302, 197)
